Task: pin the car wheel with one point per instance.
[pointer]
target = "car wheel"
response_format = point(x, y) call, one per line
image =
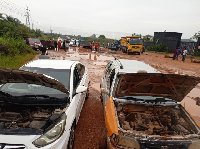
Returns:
point(71, 137)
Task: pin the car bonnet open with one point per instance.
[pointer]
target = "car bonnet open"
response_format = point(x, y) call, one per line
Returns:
point(155, 84)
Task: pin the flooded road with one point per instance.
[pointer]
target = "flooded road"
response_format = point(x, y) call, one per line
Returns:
point(90, 131)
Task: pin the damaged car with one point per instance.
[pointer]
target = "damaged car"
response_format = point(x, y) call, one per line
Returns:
point(142, 107)
point(40, 104)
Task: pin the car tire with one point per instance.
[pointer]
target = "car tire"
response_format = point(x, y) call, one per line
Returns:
point(70, 144)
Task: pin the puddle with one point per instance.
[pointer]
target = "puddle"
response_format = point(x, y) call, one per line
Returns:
point(100, 63)
point(96, 86)
point(90, 56)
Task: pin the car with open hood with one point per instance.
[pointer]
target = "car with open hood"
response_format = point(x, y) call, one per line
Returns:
point(40, 104)
point(142, 107)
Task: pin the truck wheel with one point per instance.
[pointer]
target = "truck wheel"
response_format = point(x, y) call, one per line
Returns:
point(138, 53)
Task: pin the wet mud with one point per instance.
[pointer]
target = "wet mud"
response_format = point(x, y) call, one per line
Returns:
point(90, 131)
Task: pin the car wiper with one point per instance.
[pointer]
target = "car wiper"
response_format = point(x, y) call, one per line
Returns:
point(131, 98)
point(36, 96)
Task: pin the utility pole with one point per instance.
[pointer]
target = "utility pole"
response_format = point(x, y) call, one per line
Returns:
point(27, 17)
point(51, 30)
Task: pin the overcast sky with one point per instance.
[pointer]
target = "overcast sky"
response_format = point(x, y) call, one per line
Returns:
point(113, 18)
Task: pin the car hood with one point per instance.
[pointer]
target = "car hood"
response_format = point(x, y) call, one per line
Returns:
point(21, 76)
point(155, 84)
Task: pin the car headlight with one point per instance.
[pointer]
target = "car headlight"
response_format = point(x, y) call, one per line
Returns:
point(53, 134)
point(124, 141)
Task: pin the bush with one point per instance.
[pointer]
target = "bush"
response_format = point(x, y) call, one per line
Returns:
point(12, 47)
point(158, 48)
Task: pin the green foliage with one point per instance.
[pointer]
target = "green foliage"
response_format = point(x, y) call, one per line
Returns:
point(158, 48)
point(102, 37)
point(196, 52)
point(15, 62)
point(12, 27)
point(12, 47)
point(196, 35)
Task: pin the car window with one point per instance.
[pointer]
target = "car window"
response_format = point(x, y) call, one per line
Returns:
point(76, 78)
point(81, 70)
point(110, 79)
point(62, 75)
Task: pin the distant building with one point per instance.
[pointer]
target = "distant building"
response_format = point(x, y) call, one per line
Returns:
point(189, 44)
point(170, 39)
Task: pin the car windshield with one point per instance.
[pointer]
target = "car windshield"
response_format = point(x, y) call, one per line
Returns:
point(21, 89)
point(135, 41)
point(32, 40)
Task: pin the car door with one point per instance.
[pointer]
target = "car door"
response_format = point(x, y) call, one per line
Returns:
point(83, 81)
point(76, 97)
point(80, 78)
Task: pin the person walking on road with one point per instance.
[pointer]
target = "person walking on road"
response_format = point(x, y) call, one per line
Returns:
point(55, 46)
point(96, 47)
point(64, 46)
point(184, 54)
point(59, 45)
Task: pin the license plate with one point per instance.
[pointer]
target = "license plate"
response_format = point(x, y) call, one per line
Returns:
point(36, 46)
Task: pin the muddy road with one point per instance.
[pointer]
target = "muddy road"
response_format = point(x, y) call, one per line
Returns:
point(90, 131)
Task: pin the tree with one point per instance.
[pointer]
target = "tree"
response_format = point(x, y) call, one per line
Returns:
point(196, 35)
point(102, 37)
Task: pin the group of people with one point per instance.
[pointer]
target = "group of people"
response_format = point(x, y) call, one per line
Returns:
point(57, 45)
point(178, 51)
point(95, 46)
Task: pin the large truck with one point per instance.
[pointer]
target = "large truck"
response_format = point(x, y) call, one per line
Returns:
point(131, 44)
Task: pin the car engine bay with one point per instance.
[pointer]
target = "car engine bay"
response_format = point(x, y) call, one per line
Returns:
point(155, 120)
point(35, 118)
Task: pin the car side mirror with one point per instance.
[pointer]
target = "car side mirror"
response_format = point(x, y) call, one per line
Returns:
point(105, 91)
point(81, 89)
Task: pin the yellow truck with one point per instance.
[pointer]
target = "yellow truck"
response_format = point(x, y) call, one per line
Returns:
point(131, 44)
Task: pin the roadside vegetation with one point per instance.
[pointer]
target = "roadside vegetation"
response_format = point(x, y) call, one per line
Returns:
point(13, 51)
point(158, 48)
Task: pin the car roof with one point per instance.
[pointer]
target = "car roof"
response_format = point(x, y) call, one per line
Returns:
point(133, 66)
point(54, 64)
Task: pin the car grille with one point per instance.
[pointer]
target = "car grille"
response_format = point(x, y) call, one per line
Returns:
point(12, 146)
point(164, 144)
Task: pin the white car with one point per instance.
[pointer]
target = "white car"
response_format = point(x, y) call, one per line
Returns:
point(40, 104)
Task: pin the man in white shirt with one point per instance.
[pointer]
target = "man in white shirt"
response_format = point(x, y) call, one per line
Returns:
point(184, 54)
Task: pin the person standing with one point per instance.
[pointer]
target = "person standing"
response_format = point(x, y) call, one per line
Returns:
point(55, 46)
point(175, 53)
point(96, 47)
point(184, 54)
point(59, 45)
point(64, 46)
point(91, 46)
point(178, 52)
